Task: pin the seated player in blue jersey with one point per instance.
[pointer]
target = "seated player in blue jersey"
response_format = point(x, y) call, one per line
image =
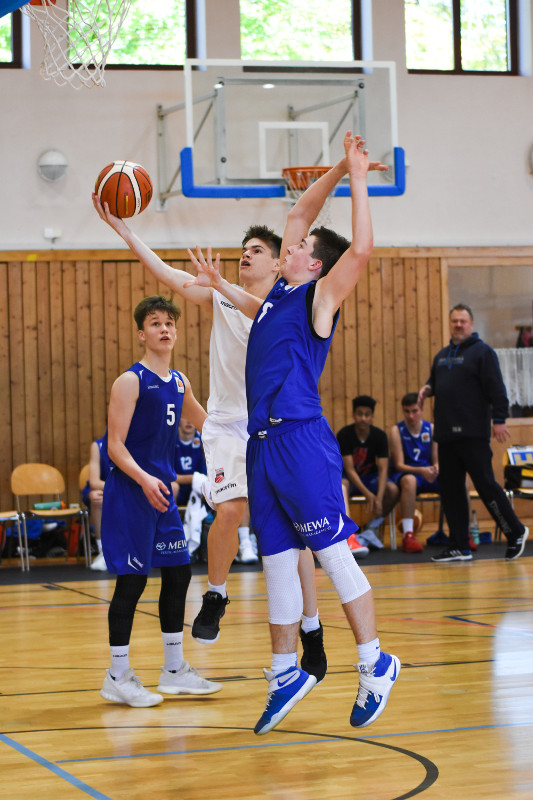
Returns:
point(141, 525)
point(189, 459)
point(93, 493)
point(415, 464)
point(294, 464)
point(365, 457)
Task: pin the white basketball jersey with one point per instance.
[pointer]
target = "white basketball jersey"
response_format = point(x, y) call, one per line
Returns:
point(227, 358)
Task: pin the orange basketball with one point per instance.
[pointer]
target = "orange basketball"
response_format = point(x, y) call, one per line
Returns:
point(126, 187)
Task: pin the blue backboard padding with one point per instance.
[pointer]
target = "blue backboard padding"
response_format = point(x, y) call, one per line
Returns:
point(7, 6)
point(190, 190)
point(276, 190)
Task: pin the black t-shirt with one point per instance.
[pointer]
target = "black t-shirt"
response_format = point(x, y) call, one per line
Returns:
point(364, 454)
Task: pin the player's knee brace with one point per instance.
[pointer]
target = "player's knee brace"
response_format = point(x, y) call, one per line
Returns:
point(344, 571)
point(285, 602)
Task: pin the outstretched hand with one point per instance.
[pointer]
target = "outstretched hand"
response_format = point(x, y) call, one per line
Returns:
point(208, 272)
point(105, 214)
point(357, 156)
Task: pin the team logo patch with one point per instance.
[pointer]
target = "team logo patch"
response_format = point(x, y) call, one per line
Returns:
point(425, 436)
point(196, 442)
point(219, 475)
point(180, 385)
point(160, 546)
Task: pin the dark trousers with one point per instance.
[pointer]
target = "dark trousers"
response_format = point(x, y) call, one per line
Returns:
point(472, 456)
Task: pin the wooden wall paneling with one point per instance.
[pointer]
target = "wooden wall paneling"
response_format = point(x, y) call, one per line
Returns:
point(376, 328)
point(44, 360)
point(57, 352)
point(349, 336)
point(6, 429)
point(363, 339)
point(124, 317)
point(339, 365)
point(151, 286)
point(435, 306)
point(30, 363)
point(112, 367)
point(411, 327)
point(84, 378)
point(424, 353)
point(96, 364)
point(445, 299)
point(393, 334)
point(16, 357)
point(191, 331)
point(72, 417)
point(206, 318)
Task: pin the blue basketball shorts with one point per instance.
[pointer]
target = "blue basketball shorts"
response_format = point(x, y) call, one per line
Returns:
point(135, 536)
point(295, 488)
point(422, 485)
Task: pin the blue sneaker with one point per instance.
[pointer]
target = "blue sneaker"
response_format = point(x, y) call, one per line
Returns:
point(375, 682)
point(284, 691)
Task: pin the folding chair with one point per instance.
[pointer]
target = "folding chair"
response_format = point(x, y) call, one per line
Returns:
point(43, 479)
point(14, 516)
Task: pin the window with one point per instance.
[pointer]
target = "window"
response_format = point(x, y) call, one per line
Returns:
point(462, 36)
point(300, 30)
point(154, 35)
point(11, 40)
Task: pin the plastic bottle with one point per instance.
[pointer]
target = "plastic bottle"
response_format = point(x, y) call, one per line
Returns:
point(474, 527)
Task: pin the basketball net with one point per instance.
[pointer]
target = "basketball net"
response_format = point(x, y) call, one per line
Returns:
point(298, 179)
point(78, 35)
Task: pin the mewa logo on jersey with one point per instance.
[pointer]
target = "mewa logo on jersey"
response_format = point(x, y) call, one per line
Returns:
point(313, 527)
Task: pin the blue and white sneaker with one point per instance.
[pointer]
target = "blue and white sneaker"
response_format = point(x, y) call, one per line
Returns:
point(284, 691)
point(375, 683)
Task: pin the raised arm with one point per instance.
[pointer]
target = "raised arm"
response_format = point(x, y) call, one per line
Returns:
point(343, 276)
point(175, 279)
point(209, 275)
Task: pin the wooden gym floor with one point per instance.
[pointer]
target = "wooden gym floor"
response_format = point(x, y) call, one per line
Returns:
point(459, 723)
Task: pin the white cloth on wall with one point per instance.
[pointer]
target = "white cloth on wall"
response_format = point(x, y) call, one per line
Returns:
point(516, 364)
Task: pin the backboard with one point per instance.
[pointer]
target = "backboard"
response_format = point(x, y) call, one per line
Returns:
point(247, 120)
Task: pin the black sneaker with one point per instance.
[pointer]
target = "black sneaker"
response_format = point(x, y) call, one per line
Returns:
point(453, 555)
point(516, 548)
point(205, 627)
point(314, 659)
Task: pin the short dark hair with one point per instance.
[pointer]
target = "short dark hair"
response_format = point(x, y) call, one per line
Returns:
point(266, 235)
point(363, 400)
point(463, 307)
point(410, 399)
point(156, 302)
point(328, 247)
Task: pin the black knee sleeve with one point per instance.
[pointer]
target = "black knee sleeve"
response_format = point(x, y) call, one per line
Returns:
point(174, 584)
point(128, 590)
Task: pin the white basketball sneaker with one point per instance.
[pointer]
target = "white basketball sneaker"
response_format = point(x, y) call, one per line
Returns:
point(186, 681)
point(129, 690)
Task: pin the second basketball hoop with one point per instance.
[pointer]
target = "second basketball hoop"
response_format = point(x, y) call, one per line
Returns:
point(298, 179)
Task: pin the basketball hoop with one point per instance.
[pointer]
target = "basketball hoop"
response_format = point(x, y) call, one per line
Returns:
point(78, 35)
point(298, 179)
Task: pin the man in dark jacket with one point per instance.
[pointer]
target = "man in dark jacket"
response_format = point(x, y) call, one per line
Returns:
point(469, 392)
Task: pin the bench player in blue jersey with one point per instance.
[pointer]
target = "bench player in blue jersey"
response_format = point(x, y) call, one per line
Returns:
point(93, 493)
point(141, 526)
point(415, 464)
point(293, 462)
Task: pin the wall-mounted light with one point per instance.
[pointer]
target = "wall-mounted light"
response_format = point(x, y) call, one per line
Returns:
point(52, 165)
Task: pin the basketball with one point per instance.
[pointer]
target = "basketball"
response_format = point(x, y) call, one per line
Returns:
point(126, 188)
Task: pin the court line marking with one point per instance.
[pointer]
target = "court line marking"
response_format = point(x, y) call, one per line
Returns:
point(332, 737)
point(51, 767)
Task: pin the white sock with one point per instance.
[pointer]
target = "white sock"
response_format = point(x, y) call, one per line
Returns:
point(407, 525)
point(99, 546)
point(244, 534)
point(120, 661)
point(211, 587)
point(173, 650)
point(369, 652)
point(283, 661)
point(375, 523)
point(310, 623)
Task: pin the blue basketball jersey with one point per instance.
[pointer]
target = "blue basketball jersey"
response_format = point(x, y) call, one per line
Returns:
point(285, 358)
point(416, 449)
point(189, 459)
point(153, 430)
